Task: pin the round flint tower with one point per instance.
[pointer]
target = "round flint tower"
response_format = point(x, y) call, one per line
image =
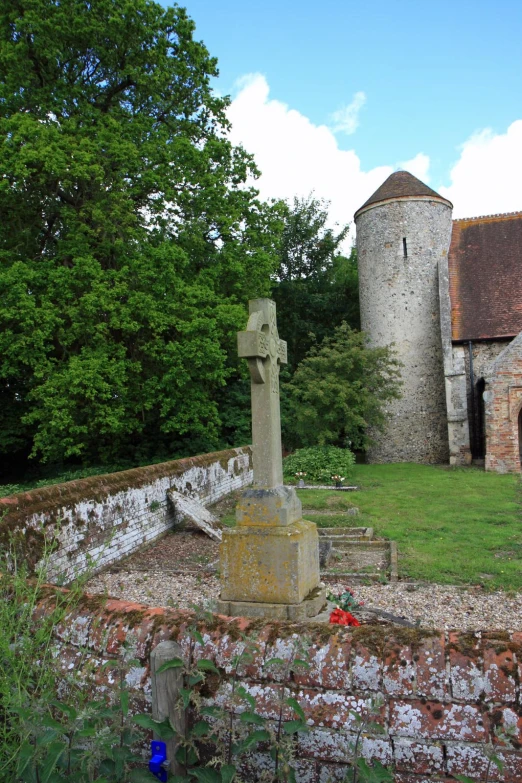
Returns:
point(403, 230)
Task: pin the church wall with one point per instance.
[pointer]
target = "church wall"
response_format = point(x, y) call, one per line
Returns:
point(442, 694)
point(97, 521)
point(483, 353)
point(502, 403)
point(399, 298)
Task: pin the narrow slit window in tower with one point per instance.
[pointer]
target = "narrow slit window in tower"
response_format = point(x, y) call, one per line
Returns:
point(404, 248)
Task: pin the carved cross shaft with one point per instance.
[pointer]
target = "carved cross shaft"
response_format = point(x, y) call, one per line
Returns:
point(265, 352)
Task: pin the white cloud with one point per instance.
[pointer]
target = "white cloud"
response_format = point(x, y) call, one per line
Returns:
point(346, 119)
point(418, 166)
point(487, 178)
point(297, 157)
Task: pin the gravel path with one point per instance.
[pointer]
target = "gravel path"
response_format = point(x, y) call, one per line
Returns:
point(434, 606)
point(156, 588)
point(446, 607)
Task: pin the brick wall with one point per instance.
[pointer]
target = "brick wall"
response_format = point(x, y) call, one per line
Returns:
point(502, 405)
point(99, 520)
point(443, 693)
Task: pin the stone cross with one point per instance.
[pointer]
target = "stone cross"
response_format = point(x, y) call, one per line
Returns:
point(265, 352)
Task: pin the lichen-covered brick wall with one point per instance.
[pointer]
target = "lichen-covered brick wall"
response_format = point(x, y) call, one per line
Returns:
point(502, 406)
point(96, 521)
point(443, 694)
point(399, 298)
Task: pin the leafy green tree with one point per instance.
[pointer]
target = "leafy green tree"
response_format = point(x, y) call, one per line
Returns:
point(340, 391)
point(315, 287)
point(234, 405)
point(129, 242)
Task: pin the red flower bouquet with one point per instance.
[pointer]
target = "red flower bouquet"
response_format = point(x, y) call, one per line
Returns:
point(340, 617)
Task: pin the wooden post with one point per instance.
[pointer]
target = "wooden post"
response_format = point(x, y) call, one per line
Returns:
point(166, 702)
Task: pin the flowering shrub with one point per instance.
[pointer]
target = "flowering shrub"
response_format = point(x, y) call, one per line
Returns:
point(320, 463)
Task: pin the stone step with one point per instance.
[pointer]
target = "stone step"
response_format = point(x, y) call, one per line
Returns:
point(351, 533)
point(348, 512)
point(325, 486)
point(359, 560)
point(353, 577)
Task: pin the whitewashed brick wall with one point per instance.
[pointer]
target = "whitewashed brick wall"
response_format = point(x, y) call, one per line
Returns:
point(97, 521)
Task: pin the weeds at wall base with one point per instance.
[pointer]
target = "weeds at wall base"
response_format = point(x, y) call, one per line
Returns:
point(43, 740)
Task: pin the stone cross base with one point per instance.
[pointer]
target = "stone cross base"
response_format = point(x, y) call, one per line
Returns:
point(312, 605)
point(270, 561)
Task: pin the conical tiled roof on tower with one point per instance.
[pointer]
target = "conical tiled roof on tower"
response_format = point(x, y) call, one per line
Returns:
point(401, 185)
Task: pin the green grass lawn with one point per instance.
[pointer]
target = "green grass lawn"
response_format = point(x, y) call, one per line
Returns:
point(452, 525)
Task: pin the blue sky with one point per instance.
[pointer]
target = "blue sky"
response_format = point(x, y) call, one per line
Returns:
point(364, 88)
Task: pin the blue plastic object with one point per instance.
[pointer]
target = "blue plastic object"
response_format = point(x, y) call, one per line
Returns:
point(158, 757)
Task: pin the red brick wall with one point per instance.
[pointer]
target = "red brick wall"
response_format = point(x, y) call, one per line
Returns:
point(443, 694)
point(502, 403)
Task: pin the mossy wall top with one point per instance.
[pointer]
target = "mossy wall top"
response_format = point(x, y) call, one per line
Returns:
point(92, 522)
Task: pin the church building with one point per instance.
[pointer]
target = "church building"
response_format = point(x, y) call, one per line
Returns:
point(448, 295)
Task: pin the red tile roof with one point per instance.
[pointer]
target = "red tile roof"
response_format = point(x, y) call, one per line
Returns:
point(485, 273)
